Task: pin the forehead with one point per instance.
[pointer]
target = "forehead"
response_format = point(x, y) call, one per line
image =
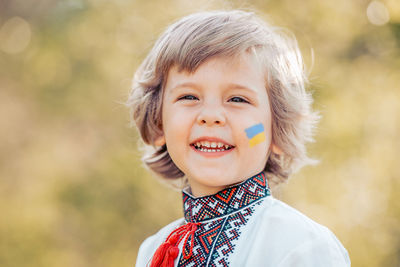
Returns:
point(243, 71)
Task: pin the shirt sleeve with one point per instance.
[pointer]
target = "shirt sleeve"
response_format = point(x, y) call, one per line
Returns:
point(145, 253)
point(318, 252)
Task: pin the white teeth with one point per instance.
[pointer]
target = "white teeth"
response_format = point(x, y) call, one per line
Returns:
point(210, 150)
point(210, 146)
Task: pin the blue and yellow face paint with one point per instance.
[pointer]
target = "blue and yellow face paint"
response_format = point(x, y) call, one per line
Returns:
point(256, 134)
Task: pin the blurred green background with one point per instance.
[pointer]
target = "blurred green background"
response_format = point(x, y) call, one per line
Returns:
point(73, 191)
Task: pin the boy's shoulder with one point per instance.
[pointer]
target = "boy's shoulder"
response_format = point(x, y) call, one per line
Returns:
point(284, 218)
point(287, 214)
point(291, 236)
point(150, 245)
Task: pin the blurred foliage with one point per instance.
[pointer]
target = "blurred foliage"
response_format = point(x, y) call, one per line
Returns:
point(73, 191)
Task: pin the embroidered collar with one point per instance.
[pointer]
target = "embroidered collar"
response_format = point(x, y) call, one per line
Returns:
point(226, 201)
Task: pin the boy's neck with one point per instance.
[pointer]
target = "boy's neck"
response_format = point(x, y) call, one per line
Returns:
point(198, 190)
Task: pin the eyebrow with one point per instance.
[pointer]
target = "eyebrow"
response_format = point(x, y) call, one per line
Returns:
point(242, 87)
point(229, 85)
point(185, 84)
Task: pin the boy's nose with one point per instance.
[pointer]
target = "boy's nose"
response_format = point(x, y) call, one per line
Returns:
point(210, 117)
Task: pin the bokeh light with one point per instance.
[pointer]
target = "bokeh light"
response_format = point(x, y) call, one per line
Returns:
point(15, 35)
point(377, 13)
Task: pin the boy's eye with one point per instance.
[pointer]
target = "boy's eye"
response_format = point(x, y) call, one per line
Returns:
point(238, 99)
point(188, 97)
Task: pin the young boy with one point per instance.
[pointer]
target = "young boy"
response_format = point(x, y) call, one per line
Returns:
point(221, 102)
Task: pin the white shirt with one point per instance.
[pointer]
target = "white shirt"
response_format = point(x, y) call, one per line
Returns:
point(245, 226)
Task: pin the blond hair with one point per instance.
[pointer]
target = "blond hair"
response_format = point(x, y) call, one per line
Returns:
point(196, 38)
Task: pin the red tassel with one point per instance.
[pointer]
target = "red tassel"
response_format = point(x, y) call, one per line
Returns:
point(167, 252)
point(159, 254)
point(170, 257)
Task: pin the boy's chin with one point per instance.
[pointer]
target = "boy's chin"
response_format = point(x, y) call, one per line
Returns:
point(217, 179)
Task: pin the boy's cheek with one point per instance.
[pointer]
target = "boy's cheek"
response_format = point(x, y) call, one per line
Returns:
point(178, 118)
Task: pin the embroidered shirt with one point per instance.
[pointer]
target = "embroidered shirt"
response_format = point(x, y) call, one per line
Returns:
point(243, 225)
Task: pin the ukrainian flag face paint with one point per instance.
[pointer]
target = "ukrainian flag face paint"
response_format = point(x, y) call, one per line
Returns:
point(255, 134)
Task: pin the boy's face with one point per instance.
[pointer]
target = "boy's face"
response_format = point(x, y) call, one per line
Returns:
point(224, 99)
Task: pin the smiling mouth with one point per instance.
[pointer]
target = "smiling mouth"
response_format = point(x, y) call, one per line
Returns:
point(211, 146)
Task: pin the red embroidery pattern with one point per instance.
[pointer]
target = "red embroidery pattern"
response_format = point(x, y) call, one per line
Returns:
point(221, 217)
point(226, 201)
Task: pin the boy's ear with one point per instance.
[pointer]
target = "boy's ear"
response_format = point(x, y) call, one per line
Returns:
point(276, 149)
point(160, 141)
